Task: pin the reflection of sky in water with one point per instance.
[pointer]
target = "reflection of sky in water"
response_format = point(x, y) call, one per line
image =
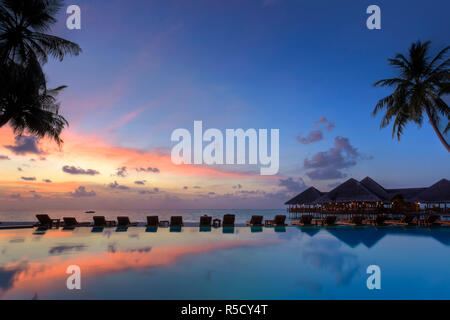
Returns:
point(290, 263)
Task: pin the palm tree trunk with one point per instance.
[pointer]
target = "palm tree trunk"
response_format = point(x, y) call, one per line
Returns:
point(438, 133)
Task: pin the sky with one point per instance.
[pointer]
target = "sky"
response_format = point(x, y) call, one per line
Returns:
point(305, 67)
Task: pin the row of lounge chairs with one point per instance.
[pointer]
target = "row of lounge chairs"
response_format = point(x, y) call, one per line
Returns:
point(229, 221)
point(152, 221)
point(257, 221)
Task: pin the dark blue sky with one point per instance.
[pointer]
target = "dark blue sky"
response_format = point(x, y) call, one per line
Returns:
point(253, 64)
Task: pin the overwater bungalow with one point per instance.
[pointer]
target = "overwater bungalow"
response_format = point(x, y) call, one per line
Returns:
point(304, 202)
point(435, 198)
point(369, 198)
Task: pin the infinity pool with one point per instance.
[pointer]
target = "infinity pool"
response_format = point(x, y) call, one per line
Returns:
point(240, 263)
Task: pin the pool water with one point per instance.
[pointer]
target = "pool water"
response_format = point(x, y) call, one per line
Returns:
point(239, 263)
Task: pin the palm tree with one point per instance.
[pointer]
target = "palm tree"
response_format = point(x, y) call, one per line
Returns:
point(25, 102)
point(23, 24)
point(419, 88)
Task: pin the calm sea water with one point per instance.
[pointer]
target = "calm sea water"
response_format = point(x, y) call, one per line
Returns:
point(189, 216)
point(239, 263)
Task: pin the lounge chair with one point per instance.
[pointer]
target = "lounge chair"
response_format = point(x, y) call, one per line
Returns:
point(279, 221)
point(153, 221)
point(432, 220)
point(329, 221)
point(406, 220)
point(125, 222)
point(102, 222)
point(304, 221)
point(70, 222)
point(46, 221)
point(228, 220)
point(380, 220)
point(176, 221)
point(255, 221)
point(176, 224)
point(354, 221)
point(357, 220)
point(205, 222)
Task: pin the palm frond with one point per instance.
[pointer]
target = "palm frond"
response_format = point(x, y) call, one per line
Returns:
point(391, 82)
point(55, 46)
point(447, 129)
point(439, 56)
point(36, 14)
point(27, 104)
point(419, 87)
point(440, 106)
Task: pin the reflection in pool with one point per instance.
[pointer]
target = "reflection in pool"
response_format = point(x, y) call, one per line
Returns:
point(236, 263)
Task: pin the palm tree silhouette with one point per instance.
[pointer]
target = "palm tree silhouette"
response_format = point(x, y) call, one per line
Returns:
point(23, 25)
point(419, 87)
point(25, 102)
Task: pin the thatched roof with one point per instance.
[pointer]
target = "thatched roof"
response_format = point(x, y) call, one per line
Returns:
point(438, 192)
point(349, 191)
point(306, 197)
point(369, 190)
point(408, 194)
point(376, 188)
point(388, 194)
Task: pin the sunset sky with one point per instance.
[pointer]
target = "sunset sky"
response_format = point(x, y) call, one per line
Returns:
point(149, 67)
